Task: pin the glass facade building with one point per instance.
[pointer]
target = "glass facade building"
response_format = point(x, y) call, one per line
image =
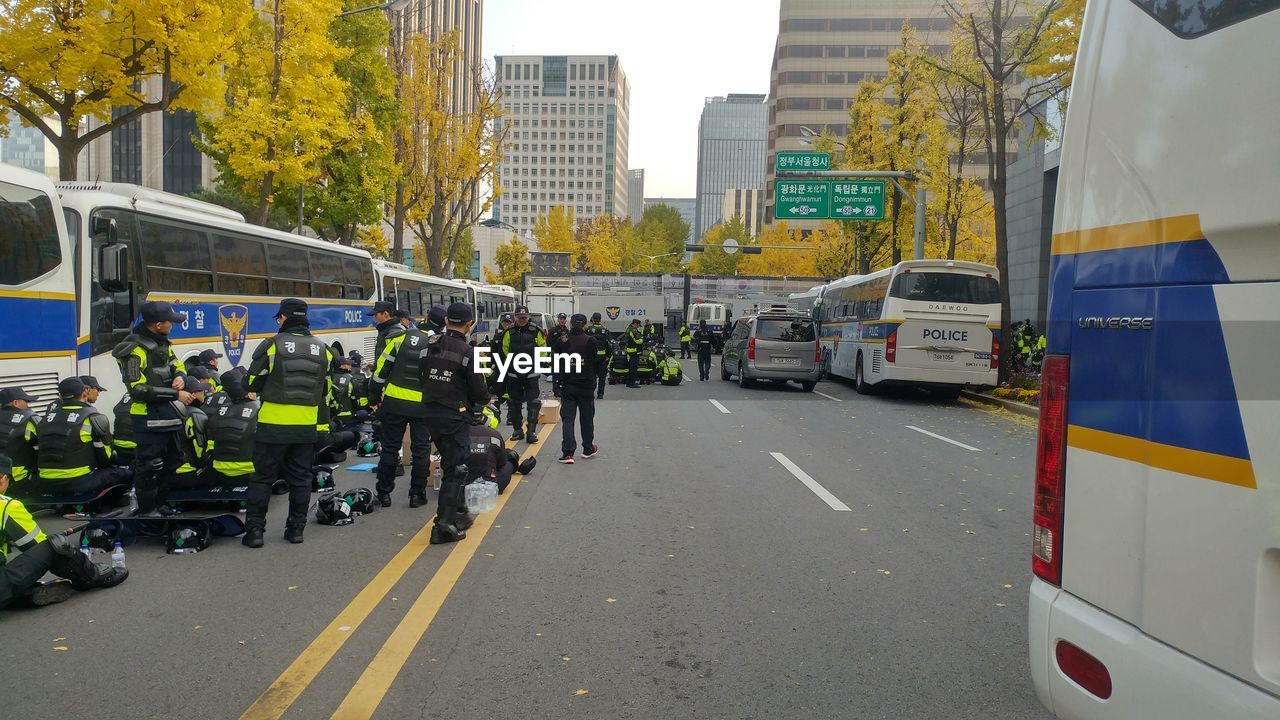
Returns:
point(732, 149)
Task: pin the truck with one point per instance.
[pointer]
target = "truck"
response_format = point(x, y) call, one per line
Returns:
point(617, 310)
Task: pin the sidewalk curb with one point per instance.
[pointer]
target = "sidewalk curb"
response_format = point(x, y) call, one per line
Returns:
point(1010, 405)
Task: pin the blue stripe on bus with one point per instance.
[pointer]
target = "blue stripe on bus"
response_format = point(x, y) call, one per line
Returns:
point(1174, 263)
point(35, 325)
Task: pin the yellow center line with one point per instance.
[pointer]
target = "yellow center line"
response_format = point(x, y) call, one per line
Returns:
point(372, 686)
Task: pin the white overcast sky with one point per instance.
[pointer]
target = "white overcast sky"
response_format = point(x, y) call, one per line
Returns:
point(675, 53)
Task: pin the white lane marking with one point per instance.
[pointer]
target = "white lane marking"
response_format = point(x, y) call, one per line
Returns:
point(810, 483)
point(720, 407)
point(829, 397)
point(943, 439)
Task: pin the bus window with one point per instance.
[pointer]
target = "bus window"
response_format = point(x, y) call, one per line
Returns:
point(240, 263)
point(177, 258)
point(290, 272)
point(326, 275)
point(111, 314)
point(945, 287)
point(29, 245)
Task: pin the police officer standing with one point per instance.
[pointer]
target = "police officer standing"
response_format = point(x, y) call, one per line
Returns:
point(450, 387)
point(397, 388)
point(704, 340)
point(18, 423)
point(386, 323)
point(154, 382)
point(576, 398)
point(290, 374)
point(685, 338)
point(523, 339)
point(635, 342)
point(604, 348)
point(557, 331)
point(495, 348)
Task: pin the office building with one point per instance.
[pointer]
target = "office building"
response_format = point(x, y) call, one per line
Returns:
point(635, 196)
point(567, 136)
point(25, 147)
point(687, 207)
point(432, 19)
point(825, 48)
point(745, 203)
point(1032, 188)
point(732, 150)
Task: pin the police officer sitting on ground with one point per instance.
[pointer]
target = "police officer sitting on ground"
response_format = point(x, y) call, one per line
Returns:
point(20, 431)
point(635, 343)
point(704, 340)
point(153, 380)
point(489, 458)
point(404, 318)
point(75, 447)
point(577, 384)
point(557, 331)
point(207, 359)
point(450, 387)
point(122, 431)
point(396, 388)
point(26, 554)
point(230, 431)
point(522, 340)
point(290, 372)
point(194, 439)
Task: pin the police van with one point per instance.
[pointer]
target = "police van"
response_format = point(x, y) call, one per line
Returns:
point(1156, 517)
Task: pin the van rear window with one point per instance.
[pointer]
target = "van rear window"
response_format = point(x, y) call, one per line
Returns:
point(1191, 18)
point(945, 287)
point(784, 330)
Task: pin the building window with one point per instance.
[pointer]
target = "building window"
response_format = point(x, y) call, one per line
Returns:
point(182, 161)
point(126, 150)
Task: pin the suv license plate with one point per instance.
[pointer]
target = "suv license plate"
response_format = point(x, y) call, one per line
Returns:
point(943, 357)
point(786, 361)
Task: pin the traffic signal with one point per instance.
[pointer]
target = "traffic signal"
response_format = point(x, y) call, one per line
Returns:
point(750, 250)
point(694, 248)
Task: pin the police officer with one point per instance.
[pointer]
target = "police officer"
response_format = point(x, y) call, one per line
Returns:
point(450, 387)
point(18, 423)
point(557, 331)
point(635, 342)
point(153, 380)
point(523, 339)
point(230, 434)
point(495, 348)
point(194, 439)
point(122, 432)
point(207, 359)
point(685, 338)
point(397, 388)
point(604, 348)
point(27, 553)
point(704, 342)
point(489, 457)
point(435, 320)
point(387, 325)
point(576, 386)
point(290, 373)
point(92, 388)
point(74, 442)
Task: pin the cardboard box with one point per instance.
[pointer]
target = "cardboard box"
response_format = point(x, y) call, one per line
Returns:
point(550, 412)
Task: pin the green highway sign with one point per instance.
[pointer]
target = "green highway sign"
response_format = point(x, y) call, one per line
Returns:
point(857, 199)
point(803, 200)
point(792, 161)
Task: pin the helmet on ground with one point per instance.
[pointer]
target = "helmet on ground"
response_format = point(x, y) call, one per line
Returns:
point(333, 509)
point(360, 500)
point(188, 537)
point(368, 447)
point(322, 480)
point(103, 534)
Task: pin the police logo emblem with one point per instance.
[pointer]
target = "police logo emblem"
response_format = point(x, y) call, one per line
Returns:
point(613, 311)
point(233, 322)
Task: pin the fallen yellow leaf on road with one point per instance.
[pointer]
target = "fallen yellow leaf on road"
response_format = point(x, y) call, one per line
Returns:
point(1007, 586)
point(60, 648)
point(564, 658)
point(293, 587)
point(611, 600)
point(581, 692)
point(59, 639)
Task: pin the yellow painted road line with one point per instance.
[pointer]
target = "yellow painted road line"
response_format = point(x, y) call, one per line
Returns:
point(382, 671)
point(276, 699)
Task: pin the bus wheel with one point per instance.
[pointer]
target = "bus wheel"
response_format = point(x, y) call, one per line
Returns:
point(860, 384)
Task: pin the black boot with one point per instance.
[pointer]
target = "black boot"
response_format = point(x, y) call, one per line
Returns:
point(417, 499)
point(293, 533)
point(463, 519)
point(384, 499)
point(49, 593)
point(252, 537)
point(532, 436)
point(452, 498)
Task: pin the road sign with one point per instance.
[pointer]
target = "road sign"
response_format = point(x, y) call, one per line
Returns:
point(857, 199)
point(730, 246)
point(786, 161)
point(803, 200)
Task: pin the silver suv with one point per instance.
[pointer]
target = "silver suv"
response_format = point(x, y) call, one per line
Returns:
point(775, 344)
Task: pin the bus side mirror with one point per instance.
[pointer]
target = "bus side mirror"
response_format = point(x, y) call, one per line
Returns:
point(104, 228)
point(113, 267)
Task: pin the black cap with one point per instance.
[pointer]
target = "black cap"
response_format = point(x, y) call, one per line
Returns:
point(342, 361)
point(577, 319)
point(10, 394)
point(71, 387)
point(561, 316)
point(92, 382)
point(201, 372)
point(401, 314)
point(231, 378)
point(437, 315)
point(595, 317)
point(459, 313)
point(6, 465)
point(635, 321)
point(159, 311)
point(292, 308)
point(193, 384)
point(381, 306)
point(522, 309)
point(207, 355)
point(506, 317)
point(356, 357)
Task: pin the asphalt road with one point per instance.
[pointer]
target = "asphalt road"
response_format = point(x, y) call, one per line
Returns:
point(686, 572)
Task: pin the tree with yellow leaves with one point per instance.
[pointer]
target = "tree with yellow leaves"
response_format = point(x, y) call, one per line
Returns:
point(112, 61)
point(865, 148)
point(715, 261)
point(1059, 44)
point(555, 233)
point(512, 259)
point(834, 252)
point(286, 105)
point(780, 263)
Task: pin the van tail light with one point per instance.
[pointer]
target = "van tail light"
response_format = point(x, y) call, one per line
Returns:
point(995, 350)
point(817, 351)
point(891, 347)
point(1086, 670)
point(1051, 455)
point(751, 348)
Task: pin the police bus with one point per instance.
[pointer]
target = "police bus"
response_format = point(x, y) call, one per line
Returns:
point(490, 302)
point(128, 244)
point(414, 292)
point(806, 301)
point(1156, 515)
point(930, 323)
point(719, 316)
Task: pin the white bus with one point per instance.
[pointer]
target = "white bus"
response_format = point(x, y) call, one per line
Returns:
point(931, 323)
point(1156, 514)
point(414, 292)
point(131, 244)
point(806, 301)
point(490, 303)
point(40, 321)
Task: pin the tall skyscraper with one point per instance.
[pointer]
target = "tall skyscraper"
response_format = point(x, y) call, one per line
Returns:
point(566, 138)
point(747, 204)
point(732, 136)
point(434, 18)
point(635, 196)
point(825, 48)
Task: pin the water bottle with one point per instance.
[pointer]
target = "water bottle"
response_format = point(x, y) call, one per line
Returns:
point(470, 498)
point(117, 556)
point(84, 547)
